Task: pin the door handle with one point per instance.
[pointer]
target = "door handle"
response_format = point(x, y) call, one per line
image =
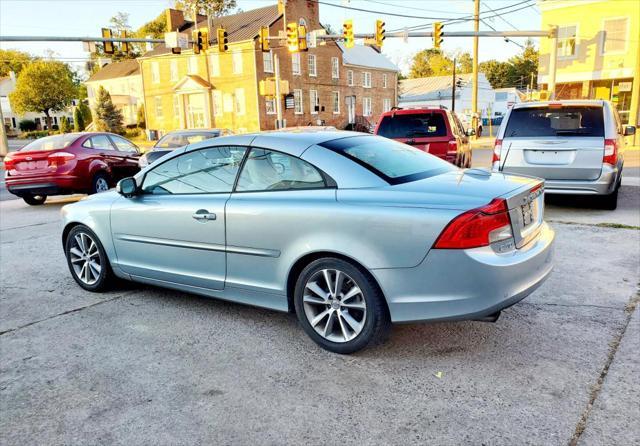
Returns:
point(204, 215)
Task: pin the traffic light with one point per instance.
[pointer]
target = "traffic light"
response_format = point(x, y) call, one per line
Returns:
point(124, 46)
point(302, 38)
point(293, 42)
point(108, 46)
point(204, 37)
point(379, 32)
point(263, 38)
point(222, 40)
point(347, 33)
point(197, 41)
point(437, 35)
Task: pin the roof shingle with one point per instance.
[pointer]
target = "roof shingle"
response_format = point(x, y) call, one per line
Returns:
point(113, 70)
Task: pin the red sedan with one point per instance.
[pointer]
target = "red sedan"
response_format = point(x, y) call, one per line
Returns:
point(68, 164)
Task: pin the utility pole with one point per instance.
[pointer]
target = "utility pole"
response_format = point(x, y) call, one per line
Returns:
point(453, 87)
point(634, 113)
point(474, 86)
point(4, 144)
point(553, 58)
point(276, 68)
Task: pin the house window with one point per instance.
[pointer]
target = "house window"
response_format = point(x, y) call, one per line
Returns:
point(350, 78)
point(176, 107)
point(157, 101)
point(217, 102)
point(155, 73)
point(386, 105)
point(240, 104)
point(227, 103)
point(295, 63)
point(312, 65)
point(173, 70)
point(270, 106)
point(567, 41)
point(366, 79)
point(335, 96)
point(236, 62)
point(366, 106)
point(614, 36)
point(297, 102)
point(384, 80)
point(335, 69)
point(214, 62)
point(193, 65)
point(313, 102)
point(267, 62)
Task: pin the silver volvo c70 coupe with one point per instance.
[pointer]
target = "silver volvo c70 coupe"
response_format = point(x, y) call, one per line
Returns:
point(350, 231)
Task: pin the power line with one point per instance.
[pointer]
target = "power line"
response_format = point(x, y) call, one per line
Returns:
point(352, 8)
point(506, 38)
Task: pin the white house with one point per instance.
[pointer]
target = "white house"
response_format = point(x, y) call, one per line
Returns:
point(123, 81)
point(505, 98)
point(12, 119)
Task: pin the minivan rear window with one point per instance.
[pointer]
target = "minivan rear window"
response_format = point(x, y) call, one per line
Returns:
point(547, 121)
point(419, 125)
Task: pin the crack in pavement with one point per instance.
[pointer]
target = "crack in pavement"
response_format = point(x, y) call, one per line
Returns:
point(29, 226)
point(595, 225)
point(604, 307)
point(597, 387)
point(75, 310)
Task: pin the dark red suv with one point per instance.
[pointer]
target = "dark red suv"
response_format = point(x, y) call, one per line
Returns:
point(434, 130)
point(69, 163)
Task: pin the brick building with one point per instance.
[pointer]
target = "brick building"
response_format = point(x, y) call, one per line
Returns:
point(330, 84)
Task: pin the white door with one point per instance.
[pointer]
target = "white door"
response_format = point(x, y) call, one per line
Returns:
point(196, 111)
point(351, 109)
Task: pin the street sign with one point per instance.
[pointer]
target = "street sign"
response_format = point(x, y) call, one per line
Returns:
point(176, 40)
point(289, 102)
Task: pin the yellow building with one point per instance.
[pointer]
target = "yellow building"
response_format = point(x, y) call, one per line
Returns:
point(598, 51)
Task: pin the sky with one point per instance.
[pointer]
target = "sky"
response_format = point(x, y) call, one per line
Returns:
point(86, 17)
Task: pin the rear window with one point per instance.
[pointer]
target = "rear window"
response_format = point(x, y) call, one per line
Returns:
point(55, 142)
point(394, 162)
point(422, 125)
point(565, 121)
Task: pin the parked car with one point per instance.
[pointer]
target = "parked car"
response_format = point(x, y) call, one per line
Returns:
point(69, 163)
point(576, 146)
point(176, 139)
point(437, 131)
point(350, 231)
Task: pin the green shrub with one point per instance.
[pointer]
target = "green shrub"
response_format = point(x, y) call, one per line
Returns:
point(78, 119)
point(27, 125)
point(35, 134)
point(65, 125)
point(131, 133)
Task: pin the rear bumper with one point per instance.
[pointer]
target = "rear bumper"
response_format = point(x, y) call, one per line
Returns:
point(466, 284)
point(45, 185)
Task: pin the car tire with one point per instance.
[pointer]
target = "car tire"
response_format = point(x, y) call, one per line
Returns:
point(347, 321)
point(84, 252)
point(34, 200)
point(99, 183)
point(610, 202)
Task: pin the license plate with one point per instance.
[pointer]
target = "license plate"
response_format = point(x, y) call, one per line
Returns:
point(527, 214)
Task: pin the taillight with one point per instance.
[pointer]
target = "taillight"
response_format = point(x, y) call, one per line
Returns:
point(610, 152)
point(59, 158)
point(453, 146)
point(9, 163)
point(497, 148)
point(477, 227)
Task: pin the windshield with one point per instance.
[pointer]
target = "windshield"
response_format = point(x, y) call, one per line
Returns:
point(175, 140)
point(549, 121)
point(423, 125)
point(55, 142)
point(392, 161)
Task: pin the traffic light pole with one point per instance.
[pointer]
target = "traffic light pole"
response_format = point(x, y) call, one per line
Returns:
point(474, 85)
point(276, 68)
point(453, 87)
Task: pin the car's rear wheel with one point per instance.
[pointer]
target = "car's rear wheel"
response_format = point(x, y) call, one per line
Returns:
point(87, 259)
point(340, 306)
point(610, 202)
point(34, 200)
point(100, 183)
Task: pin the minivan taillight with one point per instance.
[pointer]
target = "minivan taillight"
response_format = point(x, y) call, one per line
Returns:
point(477, 227)
point(59, 158)
point(610, 152)
point(497, 148)
point(9, 163)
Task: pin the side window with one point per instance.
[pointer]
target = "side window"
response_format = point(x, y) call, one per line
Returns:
point(265, 170)
point(123, 145)
point(200, 172)
point(99, 142)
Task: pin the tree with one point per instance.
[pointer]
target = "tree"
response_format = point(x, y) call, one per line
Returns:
point(142, 122)
point(86, 113)
point(120, 21)
point(213, 8)
point(464, 63)
point(498, 73)
point(431, 62)
point(516, 72)
point(108, 117)
point(43, 86)
point(13, 60)
point(78, 120)
point(155, 28)
point(65, 126)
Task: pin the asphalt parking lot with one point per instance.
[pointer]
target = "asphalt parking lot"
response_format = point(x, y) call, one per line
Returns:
point(144, 365)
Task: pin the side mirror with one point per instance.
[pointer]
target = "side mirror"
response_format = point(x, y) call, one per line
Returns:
point(127, 187)
point(470, 132)
point(629, 130)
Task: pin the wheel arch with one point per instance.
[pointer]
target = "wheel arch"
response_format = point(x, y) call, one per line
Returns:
point(302, 262)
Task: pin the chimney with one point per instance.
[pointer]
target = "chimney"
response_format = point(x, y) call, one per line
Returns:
point(175, 19)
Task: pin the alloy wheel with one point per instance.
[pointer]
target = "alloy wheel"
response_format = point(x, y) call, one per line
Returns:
point(102, 185)
point(334, 305)
point(85, 258)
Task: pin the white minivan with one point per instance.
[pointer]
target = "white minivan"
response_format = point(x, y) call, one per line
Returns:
point(575, 145)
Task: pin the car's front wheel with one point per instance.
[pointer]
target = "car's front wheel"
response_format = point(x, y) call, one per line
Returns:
point(100, 183)
point(34, 200)
point(87, 259)
point(340, 306)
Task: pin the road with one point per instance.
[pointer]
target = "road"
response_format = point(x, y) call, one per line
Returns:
point(143, 365)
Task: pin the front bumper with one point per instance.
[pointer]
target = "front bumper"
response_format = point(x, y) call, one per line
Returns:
point(466, 284)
